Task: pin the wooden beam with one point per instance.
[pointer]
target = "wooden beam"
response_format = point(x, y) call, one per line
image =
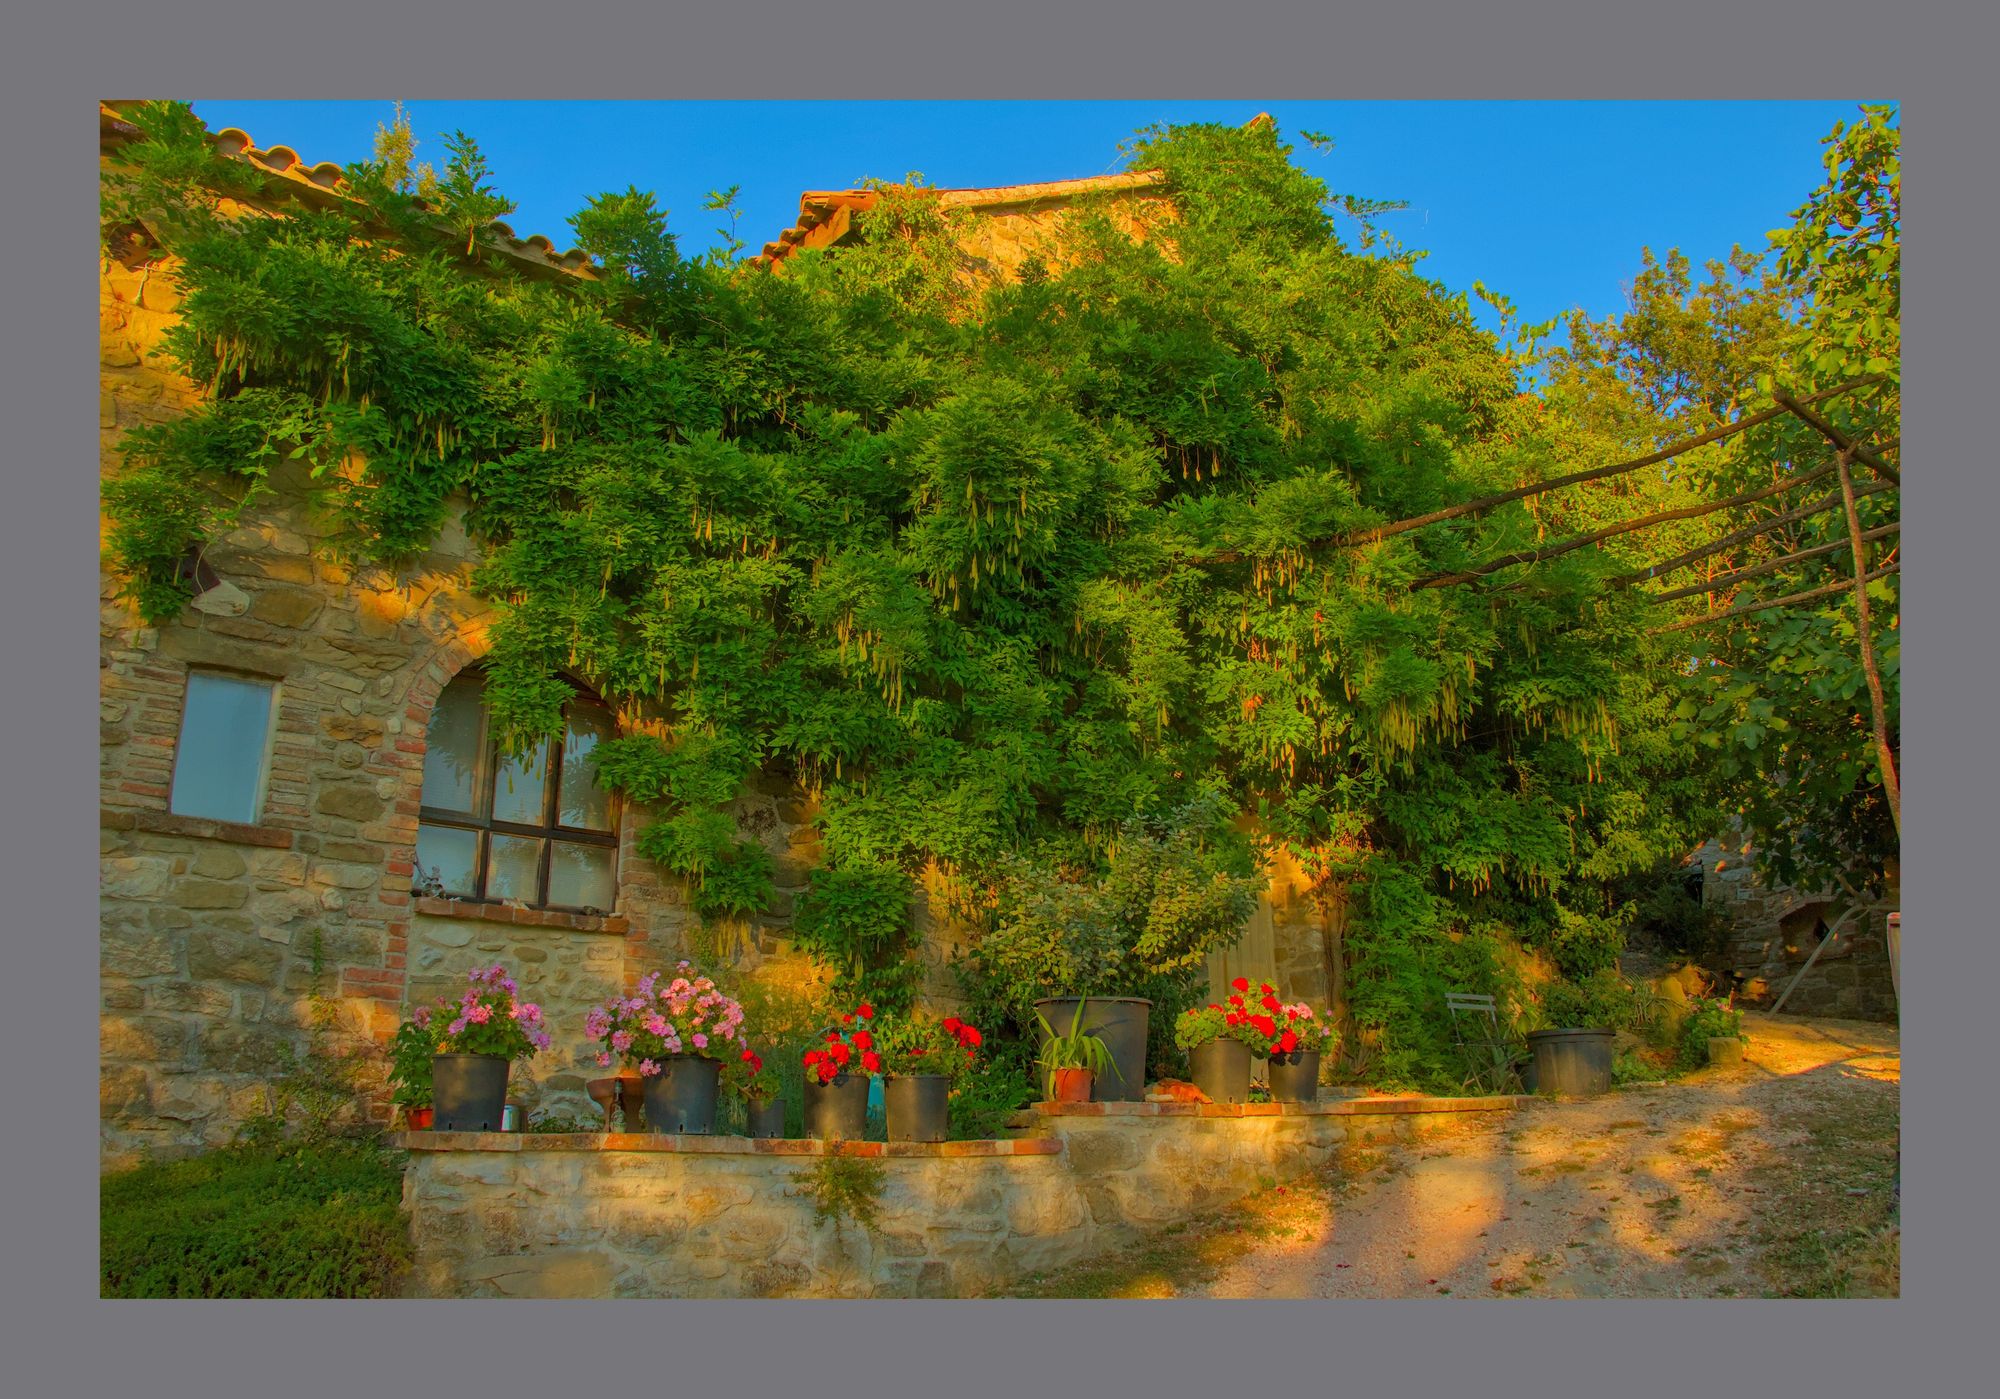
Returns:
point(1809, 595)
point(1790, 517)
point(1741, 575)
point(1863, 631)
point(1840, 440)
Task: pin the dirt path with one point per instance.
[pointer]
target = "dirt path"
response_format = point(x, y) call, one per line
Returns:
point(1772, 1178)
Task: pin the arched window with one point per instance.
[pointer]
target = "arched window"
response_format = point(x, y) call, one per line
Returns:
point(536, 830)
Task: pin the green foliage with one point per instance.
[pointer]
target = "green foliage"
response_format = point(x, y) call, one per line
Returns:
point(855, 919)
point(997, 1085)
point(1631, 1066)
point(1603, 1001)
point(1028, 580)
point(1707, 1018)
point(1198, 1026)
point(318, 1221)
point(844, 1187)
point(411, 1050)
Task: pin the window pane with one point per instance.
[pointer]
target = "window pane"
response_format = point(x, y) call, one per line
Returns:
point(219, 763)
point(514, 869)
point(580, 876)
point(454, 748)
point(452, 854)
point(585, 805)
point(520, 788)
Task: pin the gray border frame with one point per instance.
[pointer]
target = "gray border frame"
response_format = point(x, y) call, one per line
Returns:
point(1933, 56)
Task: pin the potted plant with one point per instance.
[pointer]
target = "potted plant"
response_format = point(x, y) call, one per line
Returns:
point(676, 1035)
point(1295, 1053)
point(1573, 1051)
point(1221, 1039)
point(1072, 1060)
point(1712, 1033)
point(922, 1060)
point(1115, 941)
point(410, 1053)
point(489, 1029)
point(837, 1076)
point(763, 1105)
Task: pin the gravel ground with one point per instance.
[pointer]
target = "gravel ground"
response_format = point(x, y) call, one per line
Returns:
point(1769, 1179)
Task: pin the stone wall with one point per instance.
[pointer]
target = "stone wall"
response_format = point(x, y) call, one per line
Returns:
point(1772, 931)
point(600, 1215)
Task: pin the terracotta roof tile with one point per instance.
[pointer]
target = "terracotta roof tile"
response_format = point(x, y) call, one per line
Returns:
point(824, 215)
point(324, 181)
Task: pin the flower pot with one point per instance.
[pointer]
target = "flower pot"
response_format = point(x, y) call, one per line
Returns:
point(914, 1105)
point(418, 1119)
point(681, 1097)
point(838, 1111)
point(764, 1118)
point(1574, 1063)
point(468, 1092)
point(1120, 1021)
point(1071, 1085)
point(1725, 1051)
point(632, 1101)
point(1295, 1076)
point(1222, 1070)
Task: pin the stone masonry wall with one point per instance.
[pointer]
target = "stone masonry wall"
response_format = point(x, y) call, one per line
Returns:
point(1771, 936)
point(596, 1215)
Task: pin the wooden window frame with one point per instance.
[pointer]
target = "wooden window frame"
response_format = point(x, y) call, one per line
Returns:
point(482, 821)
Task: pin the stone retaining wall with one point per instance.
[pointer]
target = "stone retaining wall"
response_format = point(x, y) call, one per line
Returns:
point(640, 1215)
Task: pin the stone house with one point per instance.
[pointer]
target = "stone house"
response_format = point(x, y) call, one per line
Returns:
point(1772, 934)
point(277, 762)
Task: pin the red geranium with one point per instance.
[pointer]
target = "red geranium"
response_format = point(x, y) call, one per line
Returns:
point(1240, 984)
point(843, 1052)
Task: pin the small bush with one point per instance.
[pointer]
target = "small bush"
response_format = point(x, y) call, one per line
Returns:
point(319, 1221)
point(1706, 1019)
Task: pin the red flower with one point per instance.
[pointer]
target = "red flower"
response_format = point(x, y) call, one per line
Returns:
point(847, 1019)
point(972, 1036)
point(1291, 1013)
point(1271, 1004)
point(1213, 1006)
point(1266, 1026)
point(756, 1064)
point(1287, 1042)
point(1236, 1001)
point(828, 1073)
point(867, 1012)
point(863, 1040)
point(952, 1025)
point(871, 1061)
point(1265, 989)
point(1240, 984)
point(840, 1053)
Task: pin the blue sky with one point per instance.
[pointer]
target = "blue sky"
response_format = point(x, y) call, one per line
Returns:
point(1548, 203)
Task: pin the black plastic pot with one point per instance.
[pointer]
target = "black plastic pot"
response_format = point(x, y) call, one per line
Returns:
point(1295, 1076)
point(915, 1107)
point(1222, 1070)
point(764, 1118)
point(469, 1092)
point(682, 1097)
point(1120, 1021)
point(837, 1111)
point(1574, 1063)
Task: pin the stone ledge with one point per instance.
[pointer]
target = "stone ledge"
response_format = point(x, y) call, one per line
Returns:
point(530, 917)
point(714, 1145)
point(198, 827)
point(1335, 1107)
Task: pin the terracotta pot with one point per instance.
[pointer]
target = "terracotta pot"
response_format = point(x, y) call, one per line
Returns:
point(1072, 1085)
point(418, 1119)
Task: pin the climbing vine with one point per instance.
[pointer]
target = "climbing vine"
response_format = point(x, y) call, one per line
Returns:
point(991, 570)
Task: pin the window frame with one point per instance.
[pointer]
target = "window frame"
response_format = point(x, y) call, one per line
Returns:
point(274, 688)
point(485, 825)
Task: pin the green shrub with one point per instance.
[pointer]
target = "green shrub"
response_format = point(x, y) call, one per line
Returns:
point(320, 1221)
point(1707, 1018)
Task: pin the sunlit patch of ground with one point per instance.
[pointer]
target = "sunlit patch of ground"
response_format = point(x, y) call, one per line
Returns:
point(1773, 1179)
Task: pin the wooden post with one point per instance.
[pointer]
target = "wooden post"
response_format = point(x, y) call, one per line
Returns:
point(1890, 786)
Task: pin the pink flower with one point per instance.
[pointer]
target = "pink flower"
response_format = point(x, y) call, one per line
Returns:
point(422, 1017)
point(621, 1040)
point(701, 1041)
point(604, 1061)
point(456, 1027)
point(597, 1024)
point(649, 1068)
point(656, 1025)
